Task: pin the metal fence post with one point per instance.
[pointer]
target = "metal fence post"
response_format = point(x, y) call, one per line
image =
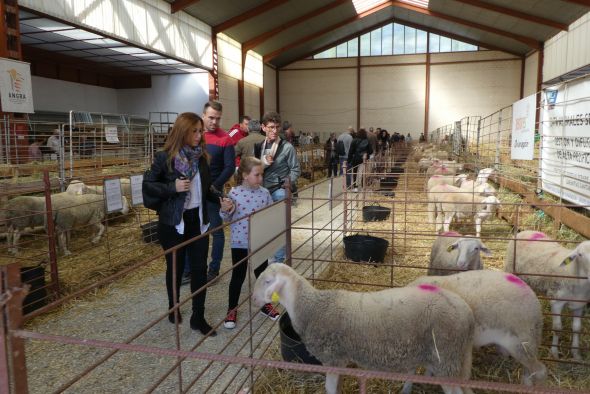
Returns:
point(51, 234)
point(477, 141)
point(289, 204)
point(498, 139)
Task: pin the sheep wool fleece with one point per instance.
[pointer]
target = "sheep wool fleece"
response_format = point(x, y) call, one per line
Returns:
point(246, 200)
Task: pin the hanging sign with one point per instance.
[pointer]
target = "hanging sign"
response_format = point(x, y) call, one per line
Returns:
point(110, 133)
point(16, 92)
point(113, 195)
point(523, 128)
point(136, 195)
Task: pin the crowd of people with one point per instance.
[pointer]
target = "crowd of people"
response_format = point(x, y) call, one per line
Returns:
point(186, 181)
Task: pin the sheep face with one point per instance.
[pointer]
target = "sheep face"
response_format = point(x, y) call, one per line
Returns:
point(490, 204)
point(469, 250)
point(581, 256)
point(268, 282)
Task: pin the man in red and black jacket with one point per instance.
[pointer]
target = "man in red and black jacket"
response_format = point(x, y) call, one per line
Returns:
point(222, 156)
point(239, 131)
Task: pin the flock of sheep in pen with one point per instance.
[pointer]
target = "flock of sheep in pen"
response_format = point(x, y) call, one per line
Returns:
point(435, 322)
point(80, 205)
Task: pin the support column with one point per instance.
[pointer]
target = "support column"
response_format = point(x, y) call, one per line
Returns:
point(539, 86)
point(278, 101)
point(214, 73)
point(241, 105)
point(522, 68)
point(261, 101)
point(427, 93)
point(358, 86)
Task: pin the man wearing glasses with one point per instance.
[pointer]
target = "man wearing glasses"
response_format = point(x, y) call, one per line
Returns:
point(280, 162)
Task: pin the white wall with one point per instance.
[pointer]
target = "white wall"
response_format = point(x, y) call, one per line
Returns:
point(568, 50)
point(270, 89)
point(228, 96)
point(252, 101)
point(62, 96)
point(169, 93)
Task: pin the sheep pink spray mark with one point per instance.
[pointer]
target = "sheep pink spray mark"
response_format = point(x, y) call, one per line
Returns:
point(450, 234)
point(537, 235)
point(516, 280)
point(427, 287)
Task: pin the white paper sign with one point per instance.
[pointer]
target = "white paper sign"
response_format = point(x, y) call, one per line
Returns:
point(113, 196)
point(265, 225)
point(16, 93)
point(565, 166)
point(523, 128)
point(110, 133)
point(136, 196)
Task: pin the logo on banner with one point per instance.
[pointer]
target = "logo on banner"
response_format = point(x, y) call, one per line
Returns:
point(551, 97)
point(16, 94)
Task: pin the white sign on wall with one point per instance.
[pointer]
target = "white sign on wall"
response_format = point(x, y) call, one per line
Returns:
point(565, 167)
point(523, 128)
point(110, 133)
point(16, 93)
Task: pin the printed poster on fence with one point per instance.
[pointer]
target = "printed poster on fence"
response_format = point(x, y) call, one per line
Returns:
point(110, 133)
point(565, 166)
point(16, 92)
point(523, 128)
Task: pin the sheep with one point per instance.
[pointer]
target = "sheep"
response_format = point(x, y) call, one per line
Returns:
point(483, 189)
point(450, 251)
point(445, 179)
point(507, 314)
point(75, 211)
point(450, 201)
point(531, 254)
point(26, 211)
point(78, 187)
point(395, 329)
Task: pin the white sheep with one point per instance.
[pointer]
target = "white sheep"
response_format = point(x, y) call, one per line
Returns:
point(445, 180)
point(532, 254)
point(79, 187)
point(507, 314)
point(446, 201)
point(483, 189)
point(27, 211)
point(451, 251)
point(395, 329)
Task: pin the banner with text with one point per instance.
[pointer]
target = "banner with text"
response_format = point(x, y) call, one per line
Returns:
point(523, 128)
point(16, 92)
point(565, 167)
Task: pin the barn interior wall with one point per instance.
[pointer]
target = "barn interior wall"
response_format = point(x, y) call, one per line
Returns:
point(169, 93)
point(270, 89)
point(320, 95)
point(228, 96)
point(145, 23)
point(531, 65)
point(62, 96)
point(568, 50)
point(251, 100)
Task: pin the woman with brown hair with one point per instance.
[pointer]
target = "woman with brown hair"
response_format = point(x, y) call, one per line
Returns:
point(177, 186)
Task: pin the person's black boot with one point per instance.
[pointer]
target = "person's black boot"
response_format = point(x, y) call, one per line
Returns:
point(198, 323)
point(171, 317)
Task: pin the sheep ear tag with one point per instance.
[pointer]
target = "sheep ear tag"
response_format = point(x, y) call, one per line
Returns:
point(450, 248)
point(275, 297)
point(567, 260)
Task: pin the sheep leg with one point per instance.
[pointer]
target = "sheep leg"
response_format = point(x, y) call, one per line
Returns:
point(448, 220)
point(576, 328)
point(432, 212)
point(556, 308)
point(407, 389)
point(15, 239)
point(62, 240)
point(101, 228)
point(477, 226)
point(9, 238)
point(333, 384)
point(525, 352)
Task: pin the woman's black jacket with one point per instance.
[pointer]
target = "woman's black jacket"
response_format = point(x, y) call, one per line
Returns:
point(159, 190)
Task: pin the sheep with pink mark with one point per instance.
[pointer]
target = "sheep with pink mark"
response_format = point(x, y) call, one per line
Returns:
point(453, 180)
point(446, 202)
point(560, 273)
point(452, 252)
point(395, 330)
point(507, 314)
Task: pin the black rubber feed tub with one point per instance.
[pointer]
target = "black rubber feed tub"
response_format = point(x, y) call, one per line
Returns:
point(292, 349)
point(375, 213)
point(365, 248)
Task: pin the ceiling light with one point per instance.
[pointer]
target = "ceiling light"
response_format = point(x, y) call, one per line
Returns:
point(78, 34)
point(47, 24)
point(166, 61)
point(130, 50)
point(364, 5)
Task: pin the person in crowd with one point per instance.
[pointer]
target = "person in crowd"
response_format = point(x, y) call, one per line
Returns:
point(331, 156)
point(239, 131)
point(288, 131)
point(249, 196)
point(422, 138)
point(408, 139)
point(344, 140)
point(360, 150)
point(54, 143)
point(35, 153)
point(383, 139)
point(221, 151)
point(245, 147)
point(372, 138)
point(280, 162)
point(178, 186)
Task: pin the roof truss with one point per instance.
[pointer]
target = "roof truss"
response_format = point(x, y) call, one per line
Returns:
point(262, 8)
point(515, 13)
point(179, 5)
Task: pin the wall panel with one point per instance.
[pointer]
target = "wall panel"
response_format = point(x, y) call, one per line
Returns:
point(318, 100)
point(270, 89)
point(63, 96)
point(393, 98)
point(531, 65)
point(251, 100)
point(471, 89)
point(567, 50)
point(228, 96)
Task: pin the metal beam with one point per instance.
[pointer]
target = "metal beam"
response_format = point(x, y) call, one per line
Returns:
point(580, 2)
point(179, 5)
point(251, 44)
point(272, 55)
point(531, 42)
point(262, 8)
point(515, 14)
point(410, 24)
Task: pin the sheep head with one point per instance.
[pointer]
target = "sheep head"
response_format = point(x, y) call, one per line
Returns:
point(271, 281)
point(581, 257)
point(469, 249)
